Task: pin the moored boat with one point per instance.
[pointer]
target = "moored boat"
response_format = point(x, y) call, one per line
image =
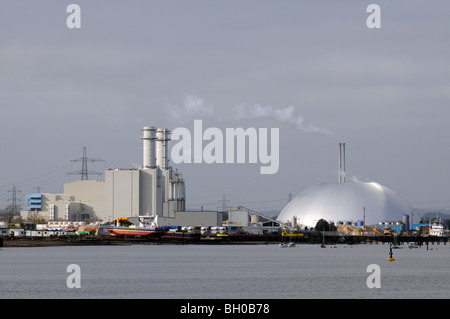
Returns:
point(148, 227)
point(287, 245)
point(135, 231)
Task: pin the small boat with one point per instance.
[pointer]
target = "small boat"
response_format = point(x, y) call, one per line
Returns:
point(148, 227)
point(437, 228)
point(287, 245)
point(135, 231)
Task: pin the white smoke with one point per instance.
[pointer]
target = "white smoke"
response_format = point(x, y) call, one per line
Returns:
point(286, 116)
point(192, 107)
point(359, 179)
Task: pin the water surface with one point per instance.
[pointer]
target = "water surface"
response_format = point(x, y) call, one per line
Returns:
point(224, 271)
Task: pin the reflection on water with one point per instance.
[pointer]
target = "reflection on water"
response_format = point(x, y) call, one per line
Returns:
point(225, 271)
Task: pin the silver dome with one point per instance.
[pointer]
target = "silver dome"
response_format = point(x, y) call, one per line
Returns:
point(345, 202)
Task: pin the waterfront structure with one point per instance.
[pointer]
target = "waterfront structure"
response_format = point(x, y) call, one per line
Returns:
point(341, 202)
point(368, 203)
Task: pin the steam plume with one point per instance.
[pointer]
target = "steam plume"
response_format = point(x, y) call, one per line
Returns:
point(195, 107)
point(286, 115)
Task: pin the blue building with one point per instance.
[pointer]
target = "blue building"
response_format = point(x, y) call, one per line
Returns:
point(395, 227)
point(34, 202)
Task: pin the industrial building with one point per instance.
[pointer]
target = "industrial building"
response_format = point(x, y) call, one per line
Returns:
point(154, 190)
point(158, 191)
point(345, 202)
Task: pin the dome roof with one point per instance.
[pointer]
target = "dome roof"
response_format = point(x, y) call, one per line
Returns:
point(345, 202)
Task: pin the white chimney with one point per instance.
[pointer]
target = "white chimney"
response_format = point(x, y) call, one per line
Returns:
point(339, 163)
point(343, 163)
point(148, 143)
point(341, 175)
point(162, 139)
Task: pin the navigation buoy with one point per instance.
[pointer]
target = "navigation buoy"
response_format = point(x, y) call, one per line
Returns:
point(390, 253)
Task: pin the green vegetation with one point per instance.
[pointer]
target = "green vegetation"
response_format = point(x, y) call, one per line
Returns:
point(322, 224)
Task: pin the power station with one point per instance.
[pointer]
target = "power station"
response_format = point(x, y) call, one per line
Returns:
point(155, 190)
point(158, 192)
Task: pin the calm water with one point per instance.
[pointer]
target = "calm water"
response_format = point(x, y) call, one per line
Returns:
point(231, 272)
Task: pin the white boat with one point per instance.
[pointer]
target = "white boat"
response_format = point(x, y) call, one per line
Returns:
point(437, 229)
point(288, 245)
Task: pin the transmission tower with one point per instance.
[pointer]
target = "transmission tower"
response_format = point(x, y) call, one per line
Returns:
point(84, 169)
point(13, 199)
point(224, 202)
point(37, 189)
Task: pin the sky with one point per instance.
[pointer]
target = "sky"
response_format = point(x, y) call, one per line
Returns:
point(314, 70)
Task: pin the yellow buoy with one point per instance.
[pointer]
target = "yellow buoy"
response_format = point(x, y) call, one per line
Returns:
point(390, 254)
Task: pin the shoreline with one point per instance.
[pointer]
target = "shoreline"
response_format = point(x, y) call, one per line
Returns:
point(247, 240)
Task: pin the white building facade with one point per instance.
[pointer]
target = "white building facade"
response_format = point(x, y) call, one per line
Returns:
point(155, 189)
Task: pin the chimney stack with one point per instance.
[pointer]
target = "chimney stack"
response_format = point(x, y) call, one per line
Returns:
point(341, 175)
point(162, 139)
point(148, 143)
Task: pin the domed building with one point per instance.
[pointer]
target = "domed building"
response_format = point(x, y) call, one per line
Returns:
point(342, 202)
point(345, 202)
